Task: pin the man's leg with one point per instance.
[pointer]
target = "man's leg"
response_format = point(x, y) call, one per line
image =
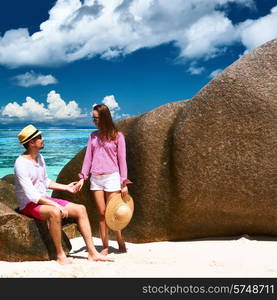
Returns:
point(53, 216)
point(79, 212)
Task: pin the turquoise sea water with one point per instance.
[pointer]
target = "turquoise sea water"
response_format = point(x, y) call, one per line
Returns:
point(61, 145)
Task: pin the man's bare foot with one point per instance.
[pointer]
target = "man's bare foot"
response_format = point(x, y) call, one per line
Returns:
point(105, 251)
point(99, 257)
point(63, 260)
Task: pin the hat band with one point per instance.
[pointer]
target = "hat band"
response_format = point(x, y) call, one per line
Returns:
point(30, 137)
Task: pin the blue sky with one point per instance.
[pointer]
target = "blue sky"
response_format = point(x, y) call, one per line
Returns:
point(59, 58)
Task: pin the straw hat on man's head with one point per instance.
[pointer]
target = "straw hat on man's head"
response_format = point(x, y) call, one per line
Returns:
point(119, 211)
point(27, 133)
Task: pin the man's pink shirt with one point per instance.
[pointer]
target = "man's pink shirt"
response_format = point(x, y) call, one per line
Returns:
point(105, 157)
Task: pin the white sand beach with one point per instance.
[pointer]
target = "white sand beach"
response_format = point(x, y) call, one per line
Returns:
point(231, 257)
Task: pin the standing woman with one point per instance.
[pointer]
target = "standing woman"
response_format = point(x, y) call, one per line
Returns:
point(105, 163)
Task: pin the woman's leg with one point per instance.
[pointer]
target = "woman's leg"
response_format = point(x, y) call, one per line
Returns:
point(99, 197)
point(120, 241)
point(119, 238)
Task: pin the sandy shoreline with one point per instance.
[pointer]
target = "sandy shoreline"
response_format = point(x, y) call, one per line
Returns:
point(237, 257)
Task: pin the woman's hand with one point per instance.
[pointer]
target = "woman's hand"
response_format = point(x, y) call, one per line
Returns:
point(124, 190)
point(79, 185)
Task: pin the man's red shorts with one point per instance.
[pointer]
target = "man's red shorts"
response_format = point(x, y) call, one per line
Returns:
point(32, 209)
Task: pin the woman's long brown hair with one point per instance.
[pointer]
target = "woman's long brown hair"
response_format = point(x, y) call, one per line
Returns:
point(107, 130)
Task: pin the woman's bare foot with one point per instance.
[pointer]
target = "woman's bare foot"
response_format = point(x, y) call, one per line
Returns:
point(105, 251)
point(122, 247)
point(63, 260)
point(99, 257)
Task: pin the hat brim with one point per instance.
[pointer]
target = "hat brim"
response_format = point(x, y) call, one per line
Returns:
point(110, 216)
point(30, 138)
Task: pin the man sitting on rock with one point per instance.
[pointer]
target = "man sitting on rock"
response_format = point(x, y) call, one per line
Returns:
point(31, 183)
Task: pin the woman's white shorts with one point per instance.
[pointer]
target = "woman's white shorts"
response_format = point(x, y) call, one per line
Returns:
point(106, 182)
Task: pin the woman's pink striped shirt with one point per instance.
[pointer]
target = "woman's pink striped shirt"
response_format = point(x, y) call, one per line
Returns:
point(105, 157)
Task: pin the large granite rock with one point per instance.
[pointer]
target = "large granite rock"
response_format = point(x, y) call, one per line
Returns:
point(9, 178)
point(7, 194)
point(23, 238)
point(225, 152)
point(203, 167)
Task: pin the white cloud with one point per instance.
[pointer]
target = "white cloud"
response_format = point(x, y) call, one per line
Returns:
point(113, 107)
point(117, 116)
point(207, 35)
point(215, 73)
point(28, 110)
point(31, 110)
point(58, 109)
point(194, 70)
point(111, 103)
point(82, 29)
point(31, 79)
point(256, 32)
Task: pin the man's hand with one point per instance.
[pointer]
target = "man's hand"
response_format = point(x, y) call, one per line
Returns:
point(72, 187)
point(63, 211)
